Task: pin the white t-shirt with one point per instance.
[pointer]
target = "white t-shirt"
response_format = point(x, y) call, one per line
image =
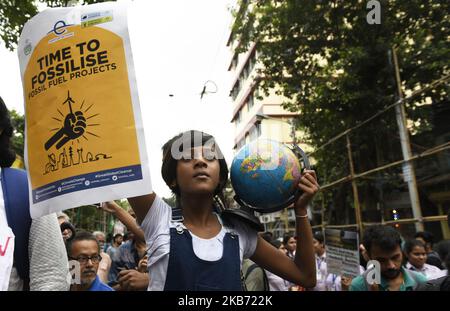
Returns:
point(321, 273)
point(333, 282)
point(156, 226)
point(277, 283)
point(430, 271)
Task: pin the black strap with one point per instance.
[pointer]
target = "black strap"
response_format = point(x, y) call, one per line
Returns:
point(250, 269)
point(265, 279)
point(177, 215)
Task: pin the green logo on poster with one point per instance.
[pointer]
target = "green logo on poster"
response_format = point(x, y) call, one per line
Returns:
point(27, 49)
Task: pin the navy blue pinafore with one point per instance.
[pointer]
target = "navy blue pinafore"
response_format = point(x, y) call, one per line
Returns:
point(187, 272)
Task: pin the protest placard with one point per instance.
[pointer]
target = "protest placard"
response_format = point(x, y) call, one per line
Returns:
point(342, 248)
point(84, 134)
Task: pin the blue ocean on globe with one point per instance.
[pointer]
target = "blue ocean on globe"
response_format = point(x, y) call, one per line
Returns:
point(265, 174)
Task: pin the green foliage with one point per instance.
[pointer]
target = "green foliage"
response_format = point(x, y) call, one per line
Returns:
point(14, 14)
point(228, 195)
point(124, 204)
point(87, 218)
point(91, 218)
point(17, 140)
point(172, 200)
point(334, 68)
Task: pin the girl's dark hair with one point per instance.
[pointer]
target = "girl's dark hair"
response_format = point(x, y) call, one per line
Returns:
point(190, 139)
point(443, 250)
point(7, 154)
point(286, 238)
point(428, 237)
point(276, 243)
point(410, 244)
point(318, 235)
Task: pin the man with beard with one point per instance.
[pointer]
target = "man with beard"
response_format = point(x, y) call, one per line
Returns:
point(85, 249)
point(383, 244)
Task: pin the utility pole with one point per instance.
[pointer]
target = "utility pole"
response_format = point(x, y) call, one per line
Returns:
point(408, 167)
point(354, 187)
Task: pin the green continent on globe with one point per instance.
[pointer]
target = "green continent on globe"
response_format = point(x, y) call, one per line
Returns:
point(292, 172)
point(252, 164)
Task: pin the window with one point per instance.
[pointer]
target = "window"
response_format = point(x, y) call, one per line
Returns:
point(236, 89)
point(255, 131)
point(252, 62)
point(256, 92)
point(238, 117)
point(234, 62)
point(240, 144)
point(250, 102)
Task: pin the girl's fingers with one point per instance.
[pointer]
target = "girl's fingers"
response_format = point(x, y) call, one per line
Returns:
point(310, 190)
point(306, 181)
point(311, 176)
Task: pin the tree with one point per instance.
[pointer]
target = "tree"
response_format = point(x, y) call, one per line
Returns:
point(18, 123)
point(333, 68)
point(14, 14)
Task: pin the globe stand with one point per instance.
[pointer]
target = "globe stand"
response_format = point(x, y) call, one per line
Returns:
point(242, 213)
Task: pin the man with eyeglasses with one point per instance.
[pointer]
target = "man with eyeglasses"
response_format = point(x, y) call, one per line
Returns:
point(85, 249)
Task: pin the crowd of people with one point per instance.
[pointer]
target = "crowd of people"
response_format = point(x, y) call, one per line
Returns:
point(405, 264)
point(118, 264)
point(194, 245)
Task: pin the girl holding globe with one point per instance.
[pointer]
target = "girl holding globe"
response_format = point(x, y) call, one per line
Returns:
point(191, 247)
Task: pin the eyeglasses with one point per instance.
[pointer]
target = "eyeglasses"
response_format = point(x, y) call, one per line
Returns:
point(84, 259)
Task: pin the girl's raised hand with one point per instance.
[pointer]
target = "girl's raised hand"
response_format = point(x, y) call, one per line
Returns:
point(309, 187)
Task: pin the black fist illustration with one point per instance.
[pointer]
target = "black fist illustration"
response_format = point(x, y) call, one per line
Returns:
point(74, 127)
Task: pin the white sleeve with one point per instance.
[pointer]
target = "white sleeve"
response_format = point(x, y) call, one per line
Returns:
point(248, 238)
point(49, 267)
point(156, 226)
point(157, 218)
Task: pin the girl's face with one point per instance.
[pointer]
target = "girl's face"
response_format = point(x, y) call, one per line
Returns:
point(282, 249)
point(417, 257)
point(291, 245)
point(200, 174)
point(319, 248)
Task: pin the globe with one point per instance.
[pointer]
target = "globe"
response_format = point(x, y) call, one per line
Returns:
point(265, 175)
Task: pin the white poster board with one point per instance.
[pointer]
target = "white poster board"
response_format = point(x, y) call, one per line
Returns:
point(342, 248)
point(84, 133)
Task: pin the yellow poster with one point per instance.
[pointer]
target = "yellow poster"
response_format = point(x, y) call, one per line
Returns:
point(83, 127)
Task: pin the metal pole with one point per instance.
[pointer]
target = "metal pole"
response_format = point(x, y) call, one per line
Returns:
point(408, 167)
point(286, 219)
point(322, 213)
point(293, 136)
point(354, 187)
point(104, 222)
